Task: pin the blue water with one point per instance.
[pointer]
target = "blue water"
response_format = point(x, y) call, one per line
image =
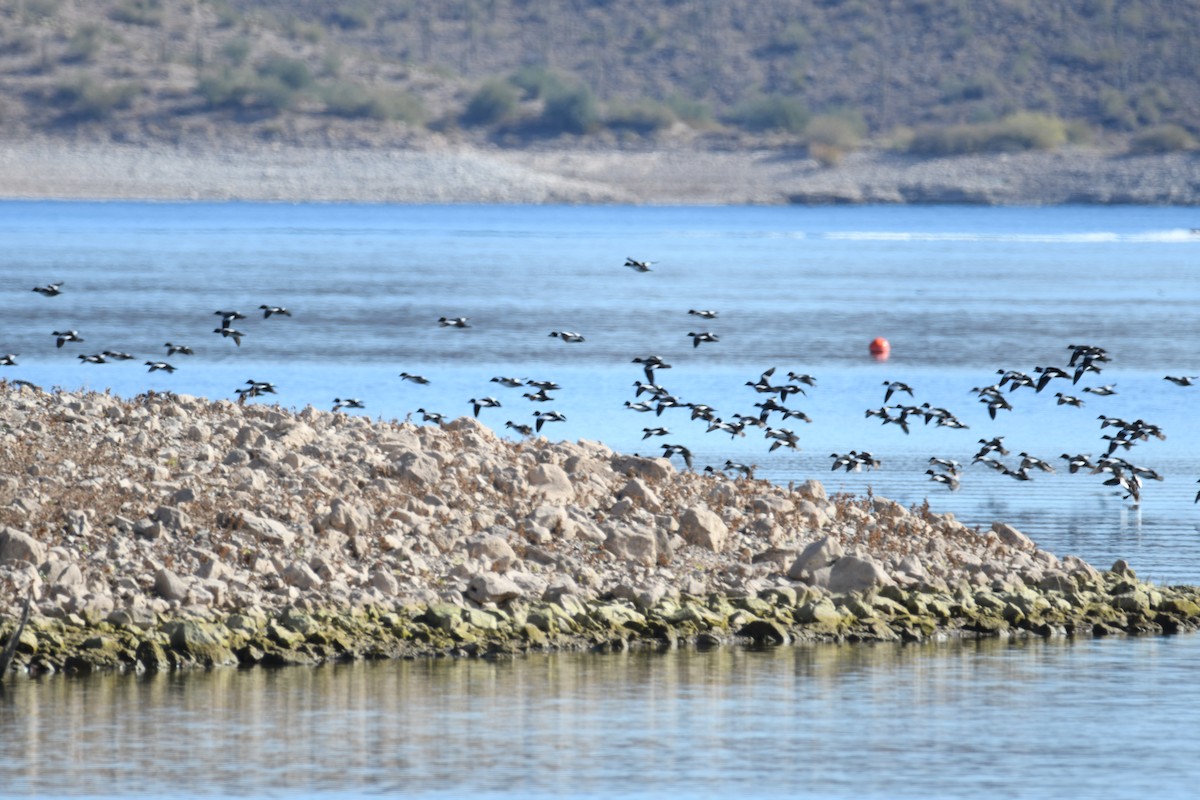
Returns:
point(959, 292)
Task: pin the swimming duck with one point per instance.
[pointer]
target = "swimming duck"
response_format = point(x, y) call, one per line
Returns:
point(702, 313)
point(157, 365)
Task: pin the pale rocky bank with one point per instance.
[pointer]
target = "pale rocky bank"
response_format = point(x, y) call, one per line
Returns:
point(167, 531)
point(683, 173)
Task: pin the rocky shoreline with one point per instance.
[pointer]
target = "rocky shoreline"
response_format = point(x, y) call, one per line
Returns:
point(170, 531)
point(681, 173)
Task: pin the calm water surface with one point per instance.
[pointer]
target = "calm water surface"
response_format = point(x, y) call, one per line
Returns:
point(1103, 718)
point(959, 292)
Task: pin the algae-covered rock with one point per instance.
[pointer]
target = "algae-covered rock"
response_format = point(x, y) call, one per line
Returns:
point(200, 641)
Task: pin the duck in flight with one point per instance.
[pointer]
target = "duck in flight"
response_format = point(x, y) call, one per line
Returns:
point(542, 417)
point(421, 379)
point(702, 336)
point(230, 333)
point(66, 336)
point(172, 349)
point(568, 336)
point(484, 402)
point(431, 416)
point(454, 322)
point(269, 310)
point(1182, 380)
point(8, 360)
point(703, 313)
point(679, 450)
point(347, 402)
point(159, 365)
point(49, 290)
point(639, 266)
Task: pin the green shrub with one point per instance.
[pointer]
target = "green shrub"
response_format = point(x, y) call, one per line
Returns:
point(693, 112)
point(243, 90)
point(350, 100)
point(1162, 139)
point(843, 130)
point(644, 117)
point(235, 51)
point(535, 80)
point(771, 113)
point(84, 99)
point(139, 12)
point(571, 110)
point(291, 72)
point(84, 43)
point(1014, 133)
point(495, 101)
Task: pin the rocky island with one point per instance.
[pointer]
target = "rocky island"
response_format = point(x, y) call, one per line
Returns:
point(168, 531)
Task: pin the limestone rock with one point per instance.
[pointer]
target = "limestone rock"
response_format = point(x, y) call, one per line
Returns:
point(169, 585)
point(495, 551)
point(1012, 537)
point(551, 482)
point(818, 554)
point(488, 587)
point(702, 527)
point(16, 545)
point(856, 574)
point(638, 545)
point(637, 490)
point(266, 530)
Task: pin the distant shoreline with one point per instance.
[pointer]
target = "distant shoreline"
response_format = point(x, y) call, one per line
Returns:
point(680, 175)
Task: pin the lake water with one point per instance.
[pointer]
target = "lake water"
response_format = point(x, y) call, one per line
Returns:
point(959, 292)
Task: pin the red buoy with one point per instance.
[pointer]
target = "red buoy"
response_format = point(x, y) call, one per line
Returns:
point(880, 348)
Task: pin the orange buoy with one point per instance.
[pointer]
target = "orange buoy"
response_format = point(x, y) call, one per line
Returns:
point(880, 348)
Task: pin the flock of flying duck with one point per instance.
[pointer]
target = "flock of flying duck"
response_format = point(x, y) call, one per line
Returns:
point(772, 411)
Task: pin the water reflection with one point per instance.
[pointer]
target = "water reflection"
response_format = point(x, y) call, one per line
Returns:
point(955, 719)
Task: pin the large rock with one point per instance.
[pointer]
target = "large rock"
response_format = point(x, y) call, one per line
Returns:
point(702, 527)
point(653, 469)
point(169, 585)
point(1011, 536)
point(494, 550)
point(16, 545)
point(821, 553)
point(637, 490)
point(856, 574)
point(417, 467)
point(638, 545)
point(551, 482)
point(488, 587)
point(266, 530)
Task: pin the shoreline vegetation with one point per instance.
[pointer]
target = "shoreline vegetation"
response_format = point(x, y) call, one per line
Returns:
point(167, 531)
point(433, 171)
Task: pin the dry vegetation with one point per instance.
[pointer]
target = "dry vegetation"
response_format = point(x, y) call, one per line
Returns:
point(936, 76)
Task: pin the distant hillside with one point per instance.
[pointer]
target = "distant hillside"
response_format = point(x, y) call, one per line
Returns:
point(937, 76)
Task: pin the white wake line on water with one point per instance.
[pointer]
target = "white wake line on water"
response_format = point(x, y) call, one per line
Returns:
point(1172, 236)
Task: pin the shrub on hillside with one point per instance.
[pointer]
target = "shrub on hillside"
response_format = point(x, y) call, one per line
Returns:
point(1162, 139)
point(570, 110)
point(535, 80)
point(139, 12)
point(771, 113)
point(84, 99)
point(494, 102)
point(1014, 133)
point(643, 117)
